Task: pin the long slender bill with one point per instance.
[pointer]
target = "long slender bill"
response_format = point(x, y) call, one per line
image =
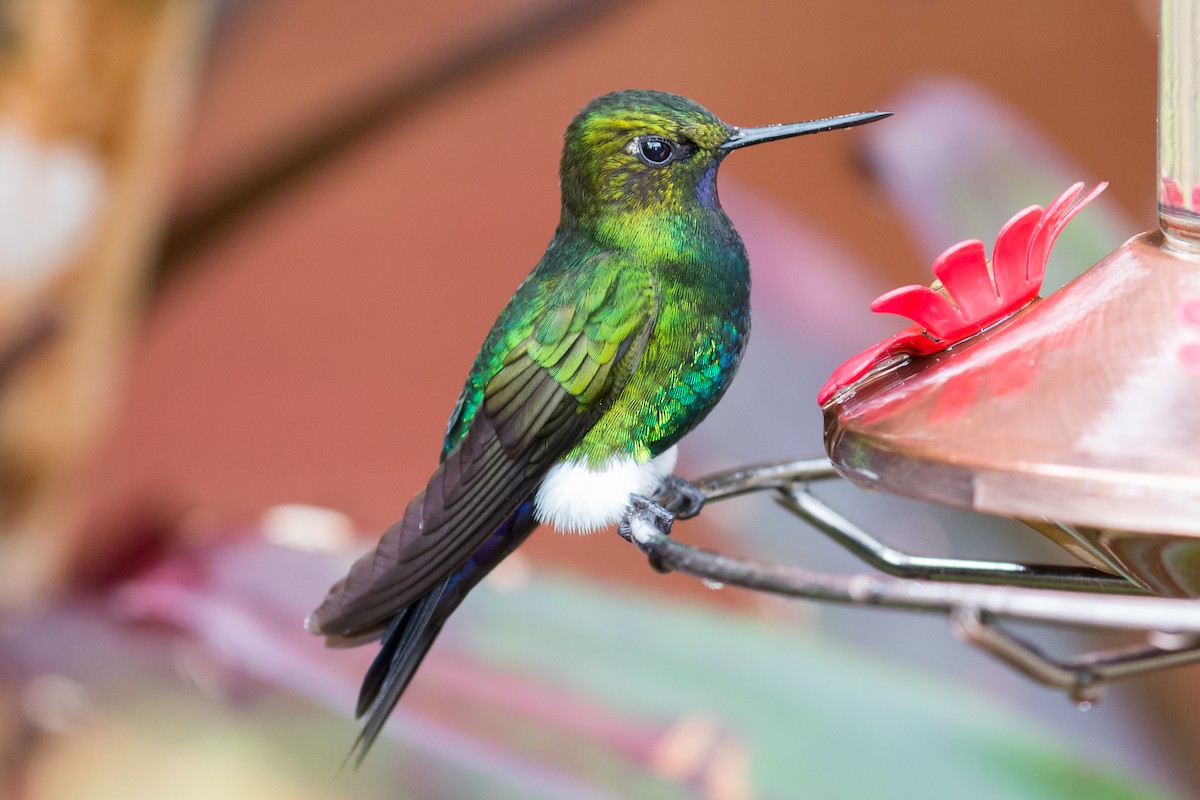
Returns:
point(743, 137)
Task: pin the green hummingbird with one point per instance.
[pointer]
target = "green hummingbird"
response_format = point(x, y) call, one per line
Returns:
point(620, 341)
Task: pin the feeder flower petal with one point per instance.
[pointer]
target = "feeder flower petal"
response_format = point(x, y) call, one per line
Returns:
point(976, 294)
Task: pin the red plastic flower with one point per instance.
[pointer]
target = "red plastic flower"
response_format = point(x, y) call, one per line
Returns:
point(979, 294)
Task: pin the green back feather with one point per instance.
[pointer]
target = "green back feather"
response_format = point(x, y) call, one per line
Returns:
point(636, 244)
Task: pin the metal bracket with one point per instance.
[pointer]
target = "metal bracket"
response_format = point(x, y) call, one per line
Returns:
point(973, 594)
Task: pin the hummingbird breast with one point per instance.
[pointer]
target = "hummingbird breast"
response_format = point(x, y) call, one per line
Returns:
point(695, 348)
point(690, 360)
point(689, 363)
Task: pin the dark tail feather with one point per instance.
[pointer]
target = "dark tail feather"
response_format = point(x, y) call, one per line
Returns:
point(405, 643)
point(399, 636)
point(411, 632)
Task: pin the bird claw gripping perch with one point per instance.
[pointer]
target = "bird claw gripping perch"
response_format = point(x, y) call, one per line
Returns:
point(644, 518)
point(677, 495)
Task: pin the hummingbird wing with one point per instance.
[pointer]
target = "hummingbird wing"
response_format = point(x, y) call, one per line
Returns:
point(560, 352)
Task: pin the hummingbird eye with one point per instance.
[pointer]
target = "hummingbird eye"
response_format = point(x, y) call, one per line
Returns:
point(655, 151)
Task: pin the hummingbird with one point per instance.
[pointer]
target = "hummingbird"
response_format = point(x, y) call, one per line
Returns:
point(624, 336)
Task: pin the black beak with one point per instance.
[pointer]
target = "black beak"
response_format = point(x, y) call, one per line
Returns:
point(744, 137)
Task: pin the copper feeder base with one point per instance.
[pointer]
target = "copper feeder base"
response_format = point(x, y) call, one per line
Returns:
point(1080, 414)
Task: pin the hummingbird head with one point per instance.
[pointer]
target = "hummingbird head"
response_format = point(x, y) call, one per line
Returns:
point(635, 156)
point(638, 151)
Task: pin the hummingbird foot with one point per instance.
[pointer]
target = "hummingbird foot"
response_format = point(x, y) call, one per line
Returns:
point(682, 498)
point(644, 518)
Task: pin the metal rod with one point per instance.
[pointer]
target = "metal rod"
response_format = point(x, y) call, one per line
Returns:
point(788, 478)
point(969, 625)
point(1031, 605)
point(1083, 676)
point(759, 477)
point(894, 562)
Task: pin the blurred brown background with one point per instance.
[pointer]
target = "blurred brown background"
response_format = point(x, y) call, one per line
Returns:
point(307, 346)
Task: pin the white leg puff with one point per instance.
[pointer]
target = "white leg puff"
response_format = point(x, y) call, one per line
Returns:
point(576, 499)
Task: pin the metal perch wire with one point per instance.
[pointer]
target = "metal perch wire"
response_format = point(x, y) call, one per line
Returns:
point(975, 595)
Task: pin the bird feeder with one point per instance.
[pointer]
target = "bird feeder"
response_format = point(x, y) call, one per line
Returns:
point(1080, 412)
point(1077, 413)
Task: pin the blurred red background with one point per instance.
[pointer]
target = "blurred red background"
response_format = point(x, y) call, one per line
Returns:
point(309, 348)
